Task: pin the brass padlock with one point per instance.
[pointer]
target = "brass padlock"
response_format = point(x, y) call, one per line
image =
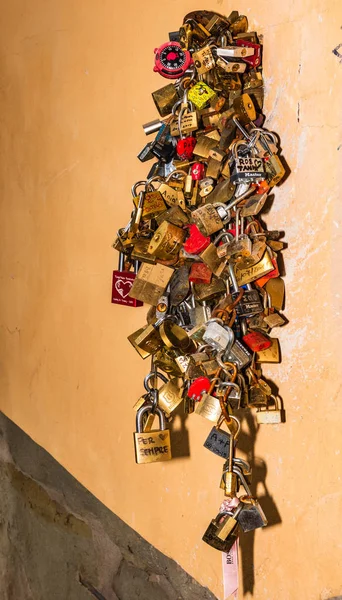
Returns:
point(146, 340)
point(276, 290)
point(209, 406)
point(170, 395)
point(165, 359)
point(275, 170)
point(271, 354)
point(267, 415)
point(166, 241)
point(153, 205)
point(207, 219)
point(243, 108)
point(204, 60)
point(150, 283)
point(204, 145)
point(151, 446)
point(210, 536)
point(264, 266)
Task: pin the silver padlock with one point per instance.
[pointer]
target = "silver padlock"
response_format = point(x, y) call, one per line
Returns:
point(219, 336)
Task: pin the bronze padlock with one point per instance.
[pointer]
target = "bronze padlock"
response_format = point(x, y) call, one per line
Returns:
point(165, 99)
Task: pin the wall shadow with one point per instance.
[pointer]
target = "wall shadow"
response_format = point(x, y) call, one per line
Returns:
point(246, 444)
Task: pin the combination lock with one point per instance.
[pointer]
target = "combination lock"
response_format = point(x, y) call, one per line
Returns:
point(171, 61)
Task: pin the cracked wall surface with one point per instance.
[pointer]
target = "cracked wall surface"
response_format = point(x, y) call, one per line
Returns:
point(76, 83)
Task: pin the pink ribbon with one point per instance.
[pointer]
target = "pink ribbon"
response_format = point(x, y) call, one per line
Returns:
point(230, 560)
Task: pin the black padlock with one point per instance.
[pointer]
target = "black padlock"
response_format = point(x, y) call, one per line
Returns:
point(249, 305)
point(218, 442)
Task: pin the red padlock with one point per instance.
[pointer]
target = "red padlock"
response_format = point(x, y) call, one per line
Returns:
point(122, 283)
point(200, 273)
point(198, 387)
point(196, 242)
point(271, 275)
point(256, 341)
point(185, 147)
point(197, 171)
point(255, 59)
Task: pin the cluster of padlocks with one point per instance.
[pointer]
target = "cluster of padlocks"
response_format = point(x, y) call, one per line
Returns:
point(207, 265)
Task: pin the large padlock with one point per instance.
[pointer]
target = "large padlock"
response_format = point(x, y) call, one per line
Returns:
point(155, 445)
point(122, 283)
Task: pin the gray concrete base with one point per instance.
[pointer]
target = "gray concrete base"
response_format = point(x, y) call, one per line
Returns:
point(58, 542)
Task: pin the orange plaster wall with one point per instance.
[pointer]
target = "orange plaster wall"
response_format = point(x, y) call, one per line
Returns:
point(76, 79)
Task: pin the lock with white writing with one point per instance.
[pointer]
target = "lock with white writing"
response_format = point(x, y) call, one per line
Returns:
point(155, 445)
point(247, 168)
point(122, 283)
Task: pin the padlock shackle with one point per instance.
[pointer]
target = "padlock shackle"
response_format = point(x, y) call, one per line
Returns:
point(149, 376)
point(121, 266)
point(145, 409)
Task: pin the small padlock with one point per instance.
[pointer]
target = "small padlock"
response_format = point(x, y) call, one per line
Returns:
point(204, 60)
point(207, 219)
point(151, 446)
point(266, 415)
point(238, 355)
point(210, 536)
point(252, 516)
point(170, 396)
point(218, 440)
point(151, 282)
point(185, 147)
point(209, 406)
point(200, 273)
point(270, 354)
point(218, 336)
point(122, 284)
point(256, 341)
point(201, 94)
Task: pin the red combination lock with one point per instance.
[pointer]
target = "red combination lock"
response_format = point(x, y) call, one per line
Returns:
point(122, 283)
